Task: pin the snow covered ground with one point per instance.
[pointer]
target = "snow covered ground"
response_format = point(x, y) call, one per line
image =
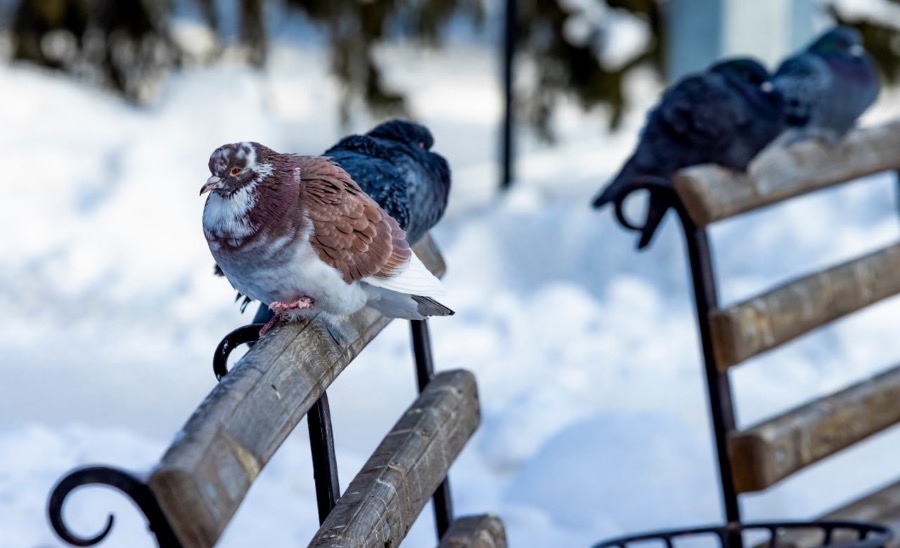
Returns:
point(594, 410)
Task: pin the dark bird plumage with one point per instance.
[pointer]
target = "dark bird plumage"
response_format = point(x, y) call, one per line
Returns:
point(393, 163)
point(725, 115)
point(828, 85)
point(297, 233)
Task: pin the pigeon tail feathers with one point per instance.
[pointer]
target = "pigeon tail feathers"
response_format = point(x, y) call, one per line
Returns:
point(416, 279)
point(430, 307)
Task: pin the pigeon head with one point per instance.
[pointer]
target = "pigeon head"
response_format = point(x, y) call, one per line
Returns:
point(840, 41)
point(403, 131)
point(751, 79)
point(236, 165)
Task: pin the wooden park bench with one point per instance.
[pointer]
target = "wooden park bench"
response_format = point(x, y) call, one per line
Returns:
point(190, 496)
point(762, 455)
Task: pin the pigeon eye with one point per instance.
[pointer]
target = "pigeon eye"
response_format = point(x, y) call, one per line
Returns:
point(235, 170)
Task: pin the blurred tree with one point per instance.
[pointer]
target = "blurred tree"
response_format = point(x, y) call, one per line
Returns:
point(571, 48)
point(124, 43)
point(354, 28)
point(567, 42)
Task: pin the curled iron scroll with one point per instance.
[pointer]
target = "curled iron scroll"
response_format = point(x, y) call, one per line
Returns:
point(242, 335)
point(133, 488)
point(662, 195)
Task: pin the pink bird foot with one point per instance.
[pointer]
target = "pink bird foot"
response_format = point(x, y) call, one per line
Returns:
point(281, 310)
point(276, 319)
point(300, 304)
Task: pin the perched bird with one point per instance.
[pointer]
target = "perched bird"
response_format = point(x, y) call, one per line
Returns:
point(827, 86)
point(394, 164)
point(725, 115)
point(298, 234)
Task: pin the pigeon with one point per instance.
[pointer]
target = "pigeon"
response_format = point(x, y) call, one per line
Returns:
point(395, 157)
point(394, 165)
point(827, 86)
point(298, 234)
point(725, 115)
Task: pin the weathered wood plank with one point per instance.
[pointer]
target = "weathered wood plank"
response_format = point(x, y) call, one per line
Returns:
point(770, 451)
point(711, 193)
point(206, 472)
point(786, 312)
point(881, 506)
point(383, 500)
point(484, 531)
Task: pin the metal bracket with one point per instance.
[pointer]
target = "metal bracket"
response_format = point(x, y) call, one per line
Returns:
point(133, 488)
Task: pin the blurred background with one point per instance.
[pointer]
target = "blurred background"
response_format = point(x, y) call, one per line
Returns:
point(594, 413)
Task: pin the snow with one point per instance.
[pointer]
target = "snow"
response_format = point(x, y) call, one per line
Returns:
point(594, 418)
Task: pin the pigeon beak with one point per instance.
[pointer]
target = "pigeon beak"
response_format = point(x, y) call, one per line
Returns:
point(856, 50)
point(210, 184)
point(767, 87)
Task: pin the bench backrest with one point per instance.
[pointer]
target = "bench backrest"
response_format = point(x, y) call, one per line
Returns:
point(762, 455)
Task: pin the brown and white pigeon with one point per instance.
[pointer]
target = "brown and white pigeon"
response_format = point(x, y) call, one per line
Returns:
point(297, 233)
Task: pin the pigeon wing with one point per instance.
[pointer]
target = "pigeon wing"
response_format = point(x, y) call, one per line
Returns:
point(702, 110)
point(350, 232)
point(370, 166)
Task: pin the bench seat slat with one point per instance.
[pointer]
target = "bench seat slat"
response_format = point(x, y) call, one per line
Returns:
point(382, 502)
point(768, 320)
point(484, 531)
point(774, 449)
point(881, 506)
point(206, 472)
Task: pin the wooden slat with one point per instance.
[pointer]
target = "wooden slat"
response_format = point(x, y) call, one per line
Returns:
point(383, 500)
point(206, 472)
point(485, 531)
point(773, 318)
point(768, 452)
point(711, 193)
point(881, 506)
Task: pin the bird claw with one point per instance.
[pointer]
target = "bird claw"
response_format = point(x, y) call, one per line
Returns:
point(282, 312)
point(302, 303)
point(276, 319)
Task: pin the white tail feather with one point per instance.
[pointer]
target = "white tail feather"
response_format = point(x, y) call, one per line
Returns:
point(415, 280)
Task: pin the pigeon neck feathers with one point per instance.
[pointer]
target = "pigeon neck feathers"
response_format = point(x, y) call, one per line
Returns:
point(259, 196)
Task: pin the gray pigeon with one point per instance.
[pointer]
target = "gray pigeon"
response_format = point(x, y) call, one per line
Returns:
point(827, 86)
point(725, 115)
